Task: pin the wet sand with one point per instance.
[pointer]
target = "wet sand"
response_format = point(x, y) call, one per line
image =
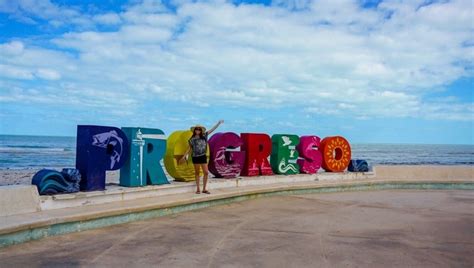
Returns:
point(356, 229)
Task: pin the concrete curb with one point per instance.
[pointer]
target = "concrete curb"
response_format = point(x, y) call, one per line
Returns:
point(18, 199)
point(67, 224)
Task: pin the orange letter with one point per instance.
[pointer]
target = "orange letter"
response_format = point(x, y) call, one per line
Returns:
point(336, 153)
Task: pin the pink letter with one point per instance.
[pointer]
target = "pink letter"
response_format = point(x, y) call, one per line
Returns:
point(223, 163)
point(311, 157)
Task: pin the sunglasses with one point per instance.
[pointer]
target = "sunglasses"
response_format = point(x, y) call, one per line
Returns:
point(198, 129)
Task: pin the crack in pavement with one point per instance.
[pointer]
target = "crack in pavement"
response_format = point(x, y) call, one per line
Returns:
point(218, 245)
point(115, 245)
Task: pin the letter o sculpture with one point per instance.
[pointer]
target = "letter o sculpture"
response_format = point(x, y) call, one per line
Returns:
point(336, 153)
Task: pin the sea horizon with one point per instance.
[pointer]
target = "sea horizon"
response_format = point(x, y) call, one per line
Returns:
point(35, 152)
point(351, 142)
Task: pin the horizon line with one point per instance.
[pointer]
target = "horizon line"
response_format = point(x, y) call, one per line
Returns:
point(357, 142)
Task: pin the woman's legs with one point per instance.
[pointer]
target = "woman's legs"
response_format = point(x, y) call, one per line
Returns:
point(197, 168)
point(205, 170)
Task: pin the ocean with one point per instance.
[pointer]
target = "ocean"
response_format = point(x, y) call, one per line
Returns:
point(36, 152)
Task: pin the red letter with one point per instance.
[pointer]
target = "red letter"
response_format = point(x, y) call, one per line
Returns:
point(257, 148)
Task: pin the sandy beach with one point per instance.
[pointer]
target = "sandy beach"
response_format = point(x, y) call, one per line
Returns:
point(24, 176)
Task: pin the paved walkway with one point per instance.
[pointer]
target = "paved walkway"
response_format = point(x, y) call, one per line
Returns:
point(371, 229)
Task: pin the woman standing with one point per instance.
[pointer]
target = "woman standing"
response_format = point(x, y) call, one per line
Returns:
point(198, 146)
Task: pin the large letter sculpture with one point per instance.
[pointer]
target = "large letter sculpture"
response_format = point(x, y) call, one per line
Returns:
point(147, 148)
point(224, 163)
point(257, 148)
point(336, 153)
point(99, 149)
point(284, 154)
point(358, 165)
point(311, 157)
point(176, 146)
point(50, 182)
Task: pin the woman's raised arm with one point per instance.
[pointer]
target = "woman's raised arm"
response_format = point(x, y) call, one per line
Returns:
point(214, 127)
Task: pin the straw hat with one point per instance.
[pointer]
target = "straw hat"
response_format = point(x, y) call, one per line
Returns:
point(198, 126)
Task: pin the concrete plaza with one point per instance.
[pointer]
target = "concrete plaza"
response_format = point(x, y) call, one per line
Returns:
point(369, 229)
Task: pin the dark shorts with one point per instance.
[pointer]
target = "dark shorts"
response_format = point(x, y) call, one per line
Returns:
point(199, 159)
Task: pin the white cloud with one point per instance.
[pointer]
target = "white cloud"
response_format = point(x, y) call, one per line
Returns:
point(37, 9)
point(14, 72)
point(12, 48)
point(48, 74)
point(330, 57)
point(56, 15)
point(108, 18)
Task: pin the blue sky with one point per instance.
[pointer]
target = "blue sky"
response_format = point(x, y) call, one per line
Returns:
point(372, 71)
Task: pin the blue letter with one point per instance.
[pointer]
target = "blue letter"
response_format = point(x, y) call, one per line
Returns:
point(147, 148)
point(99, 148)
